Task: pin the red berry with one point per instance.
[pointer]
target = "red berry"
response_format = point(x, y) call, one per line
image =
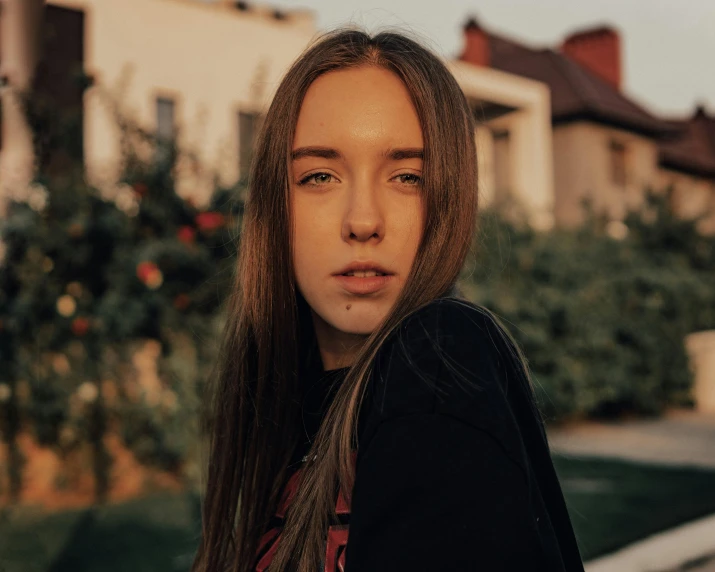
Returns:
point(145, 270)
point(186, 234)
point(80, 326)
point(209, 220)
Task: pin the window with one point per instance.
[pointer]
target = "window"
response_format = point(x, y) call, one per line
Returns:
point(165, 127)
point(619, 174)
point(502, 167)
point(248, 126)
point(165, 118)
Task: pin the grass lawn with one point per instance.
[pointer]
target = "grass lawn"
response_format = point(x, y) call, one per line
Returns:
point(612, 503)
point(152, 534)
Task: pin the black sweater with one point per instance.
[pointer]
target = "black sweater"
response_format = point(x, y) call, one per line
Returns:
point(453, 470)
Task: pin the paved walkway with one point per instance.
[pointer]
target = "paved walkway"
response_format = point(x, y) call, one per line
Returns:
point(680, 437)
point(707, 566)
point(689, 547)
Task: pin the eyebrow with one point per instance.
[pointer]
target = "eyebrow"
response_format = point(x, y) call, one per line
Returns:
point(392, 154)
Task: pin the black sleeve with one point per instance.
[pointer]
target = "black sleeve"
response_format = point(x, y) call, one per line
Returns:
point(433, 492)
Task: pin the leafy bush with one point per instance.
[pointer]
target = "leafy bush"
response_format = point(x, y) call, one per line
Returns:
point(601, 319)
point(84, 274)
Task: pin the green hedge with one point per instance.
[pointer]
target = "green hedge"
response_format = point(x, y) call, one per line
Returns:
point(601, 320)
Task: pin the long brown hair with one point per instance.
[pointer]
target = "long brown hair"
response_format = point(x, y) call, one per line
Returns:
point(255, 401)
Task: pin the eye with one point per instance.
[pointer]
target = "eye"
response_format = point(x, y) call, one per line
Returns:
point(317, 178)
point(323, 178)
point(409, 179)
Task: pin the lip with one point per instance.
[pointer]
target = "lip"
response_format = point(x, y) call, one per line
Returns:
point(363, 284)
point(363, 265)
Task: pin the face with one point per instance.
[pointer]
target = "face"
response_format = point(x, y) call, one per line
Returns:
point(355, 196)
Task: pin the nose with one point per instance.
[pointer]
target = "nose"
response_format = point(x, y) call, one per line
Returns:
point(363, 218)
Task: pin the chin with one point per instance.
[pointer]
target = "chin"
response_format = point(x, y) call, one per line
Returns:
point(363, 317)
point(357, 326)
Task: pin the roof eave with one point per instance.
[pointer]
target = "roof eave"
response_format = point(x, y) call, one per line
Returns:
point(641, 128)
point(686, 167)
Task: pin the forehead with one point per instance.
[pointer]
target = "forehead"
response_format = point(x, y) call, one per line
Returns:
point(365, 105)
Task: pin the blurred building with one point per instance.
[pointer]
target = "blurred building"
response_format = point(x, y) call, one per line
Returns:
point(687, 161)
point(607, 147)
point(200, 72)
point(197, 71)
point(204, 72)
point(554, 125)
point(19, 53)
point(514, 141)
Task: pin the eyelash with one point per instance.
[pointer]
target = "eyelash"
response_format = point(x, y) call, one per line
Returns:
point(304, 180)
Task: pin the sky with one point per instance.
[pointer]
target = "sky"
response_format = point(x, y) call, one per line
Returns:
point(668, 47)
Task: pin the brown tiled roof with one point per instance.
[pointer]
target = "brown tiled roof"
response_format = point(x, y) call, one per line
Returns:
point(686, 145)
point(576, 93)
point(693, 149)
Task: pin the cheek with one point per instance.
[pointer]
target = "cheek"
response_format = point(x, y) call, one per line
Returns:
point(306, 240)
point(411, 226)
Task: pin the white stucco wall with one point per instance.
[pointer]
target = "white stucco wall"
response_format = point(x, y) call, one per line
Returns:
point(531, 149)
point(19, 53)
point(692, 197)
point(211, 59)
point(582, 168)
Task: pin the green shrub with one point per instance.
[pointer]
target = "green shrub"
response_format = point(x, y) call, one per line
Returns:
point(601, 320)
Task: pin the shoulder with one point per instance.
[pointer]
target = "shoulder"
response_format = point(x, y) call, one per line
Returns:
point(444, 323)
point(448, 355)
point(449, 323)
point(449, 359)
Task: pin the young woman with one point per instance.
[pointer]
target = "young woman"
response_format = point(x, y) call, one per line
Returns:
point(365, 418)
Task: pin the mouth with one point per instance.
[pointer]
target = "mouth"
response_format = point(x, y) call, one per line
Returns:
point(363, 273)
point(363, 282)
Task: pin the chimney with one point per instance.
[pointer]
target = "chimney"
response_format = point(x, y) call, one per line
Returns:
point(598, 50)
point(476, 44)
point(700, 111)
